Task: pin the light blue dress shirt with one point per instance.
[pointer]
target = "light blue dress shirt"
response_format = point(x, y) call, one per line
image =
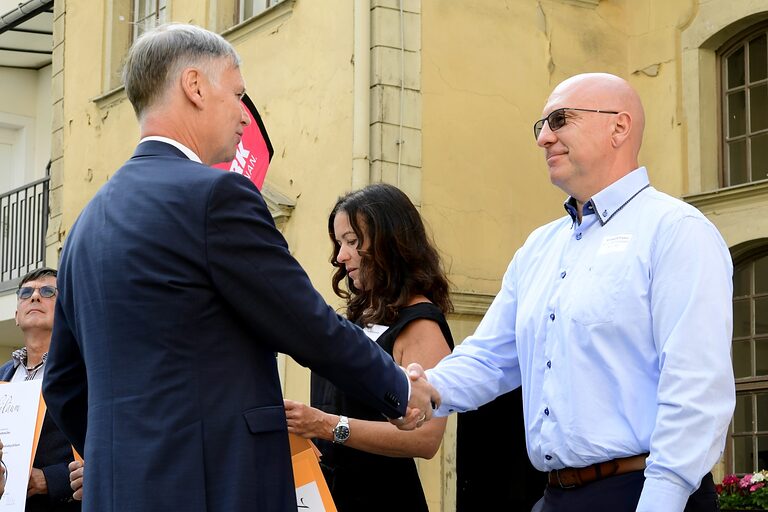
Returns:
point(619, 330)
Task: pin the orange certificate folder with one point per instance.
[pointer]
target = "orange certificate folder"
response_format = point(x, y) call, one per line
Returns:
point(41, 408)
point(312, 493)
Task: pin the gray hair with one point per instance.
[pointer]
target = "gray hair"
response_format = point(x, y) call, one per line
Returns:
point(158, 56)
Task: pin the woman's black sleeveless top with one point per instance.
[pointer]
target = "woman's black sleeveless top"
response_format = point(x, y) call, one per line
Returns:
point(361, 481)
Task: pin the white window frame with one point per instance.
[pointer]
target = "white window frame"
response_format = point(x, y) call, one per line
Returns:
point(256, 7)
point(154, 14)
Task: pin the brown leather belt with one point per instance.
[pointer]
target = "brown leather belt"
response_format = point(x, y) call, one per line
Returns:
point(570, 478)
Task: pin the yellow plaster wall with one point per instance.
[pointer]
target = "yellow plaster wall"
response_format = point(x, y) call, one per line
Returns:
point(487, 69)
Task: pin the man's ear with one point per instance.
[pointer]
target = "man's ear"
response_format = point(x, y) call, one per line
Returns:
point(622, 127)
point(191, 84)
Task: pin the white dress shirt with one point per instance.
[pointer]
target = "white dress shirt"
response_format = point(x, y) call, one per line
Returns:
point(619, 330)
point(178, 145)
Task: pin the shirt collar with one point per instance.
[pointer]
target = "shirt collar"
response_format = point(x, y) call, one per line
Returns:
point(178, 145)
point(19, 357)
point(606, 203)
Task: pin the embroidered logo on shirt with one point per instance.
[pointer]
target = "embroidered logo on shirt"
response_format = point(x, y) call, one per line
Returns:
point(615, 243)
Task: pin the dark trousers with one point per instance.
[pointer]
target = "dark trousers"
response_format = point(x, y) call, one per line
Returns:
point(619, 494)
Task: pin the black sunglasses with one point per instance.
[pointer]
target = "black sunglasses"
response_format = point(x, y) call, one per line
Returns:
point(557, 119)
point(27, 291)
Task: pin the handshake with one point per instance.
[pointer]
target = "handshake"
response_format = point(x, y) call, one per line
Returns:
point(424, 400)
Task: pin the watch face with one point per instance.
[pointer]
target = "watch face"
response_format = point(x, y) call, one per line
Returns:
point(341, 433)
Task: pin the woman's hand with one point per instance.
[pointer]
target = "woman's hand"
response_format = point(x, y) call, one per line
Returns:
point(308, 422)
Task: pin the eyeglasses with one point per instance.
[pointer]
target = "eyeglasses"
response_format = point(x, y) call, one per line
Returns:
point(557, 119)
point(27, 291)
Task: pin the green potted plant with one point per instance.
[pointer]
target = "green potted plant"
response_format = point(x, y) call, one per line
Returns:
point(746, 493)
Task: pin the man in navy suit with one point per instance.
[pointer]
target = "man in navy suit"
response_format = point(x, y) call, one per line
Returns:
point(48, 489)
point(176, 290)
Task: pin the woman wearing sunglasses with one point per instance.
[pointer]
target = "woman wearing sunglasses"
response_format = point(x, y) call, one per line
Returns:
point(397, 291)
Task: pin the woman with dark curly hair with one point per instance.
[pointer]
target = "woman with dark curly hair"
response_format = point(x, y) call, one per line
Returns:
point(397, 291)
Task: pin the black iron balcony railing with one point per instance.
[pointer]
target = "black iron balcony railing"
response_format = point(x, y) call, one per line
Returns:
point(23, 224)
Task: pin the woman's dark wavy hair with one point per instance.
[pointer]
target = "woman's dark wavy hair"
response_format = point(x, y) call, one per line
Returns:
point(400, 261)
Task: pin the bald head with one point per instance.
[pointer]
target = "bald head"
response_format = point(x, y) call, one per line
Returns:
point(607, 92)
point(594, 137)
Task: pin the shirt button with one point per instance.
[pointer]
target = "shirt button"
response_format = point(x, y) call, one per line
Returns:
point(578, 236)
point(605, 213)
point(562, 274)
point(548, 457)
point(552, 316)
point(549, 364)
point(546, 411)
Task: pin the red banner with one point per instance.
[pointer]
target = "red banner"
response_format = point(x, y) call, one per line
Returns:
point(254, 151)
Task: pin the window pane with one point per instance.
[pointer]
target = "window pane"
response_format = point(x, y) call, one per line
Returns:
point(742, 319)
point(761, 357)
point(742, 455)
point(737, 123)
point(762, 451)
point(761, 275)
point(759, 154)
point(741, 360)
point(758, 60)
point(758, 107)
point(741, 276)
point(742, 416)
point(736, 68)
point(253, 7)
point(762, 411)
point(737, 162)
point(761, 315)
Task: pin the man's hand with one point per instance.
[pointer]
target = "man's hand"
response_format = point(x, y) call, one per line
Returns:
point(76, 469)
point(308, 422)
point(424, 399)
point(37, 483)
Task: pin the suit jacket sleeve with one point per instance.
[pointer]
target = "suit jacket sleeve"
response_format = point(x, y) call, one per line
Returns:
point(57, 479)
point(65, 384)
point(253, 270)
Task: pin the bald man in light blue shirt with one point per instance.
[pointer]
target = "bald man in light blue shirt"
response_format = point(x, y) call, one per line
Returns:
point(616, 320)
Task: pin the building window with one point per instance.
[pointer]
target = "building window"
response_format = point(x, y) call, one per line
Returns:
point(233, 12)
point(250, 8)
point(748, 444)
point(147, 14)
point(744, 65)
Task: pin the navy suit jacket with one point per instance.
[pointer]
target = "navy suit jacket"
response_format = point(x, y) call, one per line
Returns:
point(175, 292)
point(54, 453)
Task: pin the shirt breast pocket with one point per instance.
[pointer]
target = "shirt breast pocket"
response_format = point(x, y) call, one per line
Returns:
point(598, 288)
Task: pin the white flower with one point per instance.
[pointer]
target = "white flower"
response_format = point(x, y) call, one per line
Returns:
point(757, 477)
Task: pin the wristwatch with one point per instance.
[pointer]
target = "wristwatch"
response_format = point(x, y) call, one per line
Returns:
point(341, 430)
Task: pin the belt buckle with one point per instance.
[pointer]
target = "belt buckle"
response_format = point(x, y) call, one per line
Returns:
point(560, 482)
